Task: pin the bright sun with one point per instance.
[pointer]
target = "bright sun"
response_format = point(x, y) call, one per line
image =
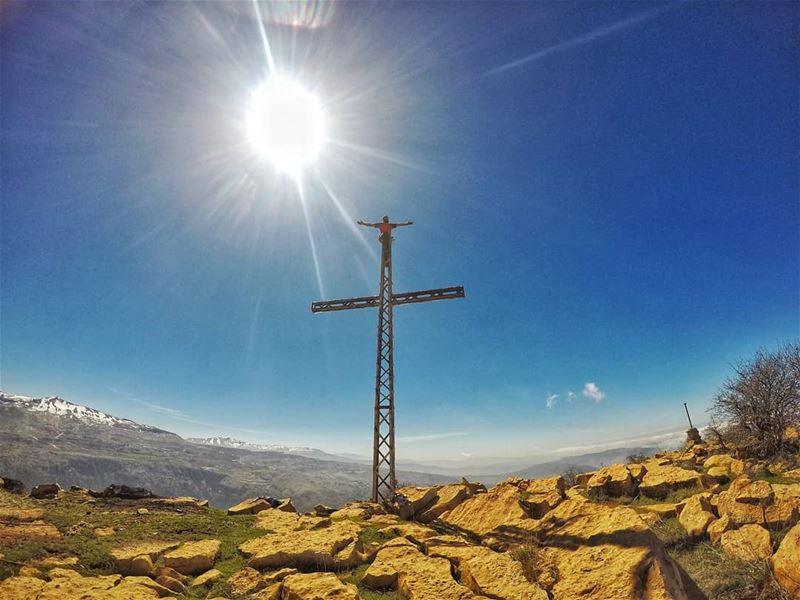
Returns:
point(285, 124)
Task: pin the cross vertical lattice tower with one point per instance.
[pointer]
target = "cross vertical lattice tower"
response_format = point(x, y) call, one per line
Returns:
point(384, 478)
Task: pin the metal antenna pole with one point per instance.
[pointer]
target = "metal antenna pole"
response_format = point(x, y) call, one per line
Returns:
point(687, 416)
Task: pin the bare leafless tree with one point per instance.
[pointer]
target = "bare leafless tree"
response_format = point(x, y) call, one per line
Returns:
point(761, 399)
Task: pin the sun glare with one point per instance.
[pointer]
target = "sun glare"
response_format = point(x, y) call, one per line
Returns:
point(285, 124)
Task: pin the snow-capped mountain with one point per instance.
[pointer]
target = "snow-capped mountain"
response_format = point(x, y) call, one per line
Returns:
point(58, 406)
point(227, 442)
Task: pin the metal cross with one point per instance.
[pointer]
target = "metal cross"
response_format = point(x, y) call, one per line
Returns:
point(384, 480)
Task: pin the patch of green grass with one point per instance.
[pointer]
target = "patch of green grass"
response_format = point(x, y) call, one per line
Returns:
point(721, 576)
point(673, 497)
point(371, 534)
point(354, 576)
point(770, 478)
point(671, 533)
point(368, 594)
point(534, 564)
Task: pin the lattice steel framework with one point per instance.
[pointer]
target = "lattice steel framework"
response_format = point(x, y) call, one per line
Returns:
point(384, 479)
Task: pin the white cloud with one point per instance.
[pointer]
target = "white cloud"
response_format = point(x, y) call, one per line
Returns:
point(590, 390)
point(570, 396)
point(431, 436)
point(551, 400)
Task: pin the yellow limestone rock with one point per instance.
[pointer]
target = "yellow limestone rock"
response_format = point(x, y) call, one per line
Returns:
point(746, 501)
point(358, 511)
point(207, 578)
point(20, 588)
point(613, 481)
point(484, 512)
point(278, 521)
point(246, 581)
point(447, 498)
point(749, 542)
point(74, 587)
point(313, 548)
point(660, 480)
point(124, 555)
point(317, 586)
point(12, 532)
point(193, 557)
point(412, 531)
point(605, 552)
point(250, 506)
point(162, 591)
point(697, 515)
point(20, 514)
point(272, 592)
point(542, 495)
point(785, 563)
point(486, 572)
point(416, 500)
point(718, 527)
point(418, 577)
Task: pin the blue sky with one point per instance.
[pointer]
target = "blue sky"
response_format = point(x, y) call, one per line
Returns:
point(615, 185)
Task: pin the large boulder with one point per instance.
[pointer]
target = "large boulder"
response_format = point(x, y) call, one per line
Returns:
point(612, 481)
point(540, 496)
point(697, 515)
point(749, 542)
point(191, 558)
point(484, 512)
point(447, 498)
point(310, 586)
point(717, 528)
point(484, 571)
point(250, 506)
point(69, 585)
point(13, 486)
point(409, 501)
point(660, 480)
point(401, 566)
point(45, 491)
point(126, 492)
point(746, 501)
point(604, 552)
point(128, 558)
point(786, 563)
point(323, 547)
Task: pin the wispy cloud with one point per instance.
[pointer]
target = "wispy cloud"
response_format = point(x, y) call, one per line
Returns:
point(581, 40)
point(551, 400)
point(432, 436)
point(570, 396)
point(590, 390)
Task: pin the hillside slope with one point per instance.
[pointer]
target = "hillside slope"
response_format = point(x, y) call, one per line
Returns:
point(74, 446)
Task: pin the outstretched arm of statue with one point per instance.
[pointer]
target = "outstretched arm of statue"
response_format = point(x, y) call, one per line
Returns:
point(360, 222)
point(403, 224)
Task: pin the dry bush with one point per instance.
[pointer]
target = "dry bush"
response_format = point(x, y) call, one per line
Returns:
point(759, 401)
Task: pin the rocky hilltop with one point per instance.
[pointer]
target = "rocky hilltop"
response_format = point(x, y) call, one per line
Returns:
point(699, 523)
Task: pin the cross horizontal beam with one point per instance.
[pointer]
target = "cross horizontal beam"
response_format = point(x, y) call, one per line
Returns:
point(447, 293)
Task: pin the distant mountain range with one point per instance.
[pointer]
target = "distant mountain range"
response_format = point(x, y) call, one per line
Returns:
point(51, 439)
point(227, 442)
